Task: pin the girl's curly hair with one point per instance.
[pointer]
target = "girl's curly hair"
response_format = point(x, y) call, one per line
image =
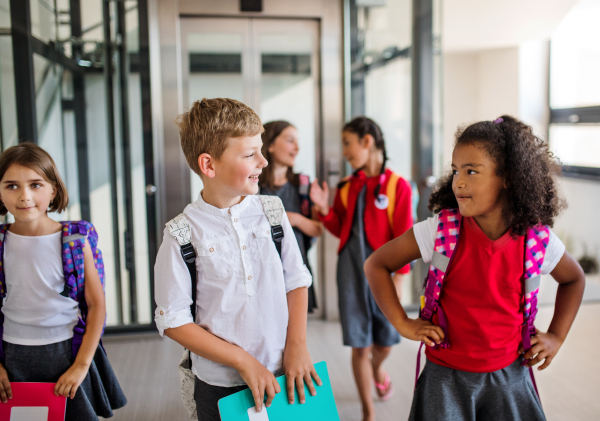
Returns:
point(524, 161)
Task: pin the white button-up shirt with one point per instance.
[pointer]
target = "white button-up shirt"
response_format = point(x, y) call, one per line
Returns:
point(242, 284)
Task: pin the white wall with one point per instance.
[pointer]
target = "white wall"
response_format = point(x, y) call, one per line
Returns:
point(478, 86)
point(486, 84)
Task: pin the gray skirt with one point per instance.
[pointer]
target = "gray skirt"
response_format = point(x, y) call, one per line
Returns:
point(363, 322)
point(99, 393)
point(443, 393)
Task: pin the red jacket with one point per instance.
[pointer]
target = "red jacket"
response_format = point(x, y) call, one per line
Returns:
point(377, 217)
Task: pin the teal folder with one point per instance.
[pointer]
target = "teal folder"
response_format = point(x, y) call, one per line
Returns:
point(320, 407)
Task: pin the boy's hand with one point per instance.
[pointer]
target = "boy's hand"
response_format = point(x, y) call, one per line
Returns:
point(544, 346)
point(320, 196)
point(5, 389)
point(259, 380)
point(70, 381)
point(299, 369)
point(423, 331)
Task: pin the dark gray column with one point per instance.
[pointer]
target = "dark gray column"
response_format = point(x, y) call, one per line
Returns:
point(20, 16)
point(422, 114)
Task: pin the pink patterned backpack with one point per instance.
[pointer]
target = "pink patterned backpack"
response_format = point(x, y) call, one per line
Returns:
point(74, 234)
point(448, 231)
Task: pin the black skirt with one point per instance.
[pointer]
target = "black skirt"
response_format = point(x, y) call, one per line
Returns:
point(99, 393)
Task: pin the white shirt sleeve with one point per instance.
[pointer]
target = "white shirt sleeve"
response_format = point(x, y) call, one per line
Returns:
point(554, 252)
point(172, 286)
point(425, 233)
point(295, 272)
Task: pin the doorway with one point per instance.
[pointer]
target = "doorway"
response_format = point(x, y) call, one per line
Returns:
point(272, 65)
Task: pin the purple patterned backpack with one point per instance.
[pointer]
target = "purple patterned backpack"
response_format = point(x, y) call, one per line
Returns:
point(448, 231)
point(74, 234)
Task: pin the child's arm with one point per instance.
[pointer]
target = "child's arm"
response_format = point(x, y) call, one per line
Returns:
point(297, 364)
point(571, 280)
point(69, 382)
point(378, 268)
point(330, 216)
point(5, 389)
point(207, 345)
point(296, 359)
point(311, 227)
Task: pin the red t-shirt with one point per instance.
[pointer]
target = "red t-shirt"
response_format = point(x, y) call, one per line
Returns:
point(481, 298)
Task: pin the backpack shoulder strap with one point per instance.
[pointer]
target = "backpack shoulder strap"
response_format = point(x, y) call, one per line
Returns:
point(536, 242)
point(3, 229)
point(179, 228)
point(449, 222)
point(304, 190)
point(390, 192)
point(73, 238)
point(273, 208)
point(344, 187)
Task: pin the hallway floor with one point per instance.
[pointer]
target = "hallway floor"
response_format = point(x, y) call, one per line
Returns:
point(146, 366)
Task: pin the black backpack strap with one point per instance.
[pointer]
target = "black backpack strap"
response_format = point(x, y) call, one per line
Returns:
point(273, 208)
point(180, 229)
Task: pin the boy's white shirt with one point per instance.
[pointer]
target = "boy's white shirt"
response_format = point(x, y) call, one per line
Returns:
point(426, 232)
point(241, 295)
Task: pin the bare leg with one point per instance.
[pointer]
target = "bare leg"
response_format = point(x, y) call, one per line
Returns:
point(380, 353)
point(363, 376)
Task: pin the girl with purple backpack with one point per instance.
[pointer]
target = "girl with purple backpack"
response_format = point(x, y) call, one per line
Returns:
point(50, 320)
point(488, 243)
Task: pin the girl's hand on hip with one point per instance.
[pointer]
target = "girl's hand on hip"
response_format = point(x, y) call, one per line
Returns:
point(70, 381)
point(259, 380)
point(423, 331)
point(5, 389)
point(544, 346)
point(320, 196)
point(299, 369)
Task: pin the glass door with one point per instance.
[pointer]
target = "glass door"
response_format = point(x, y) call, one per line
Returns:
point(272, 65)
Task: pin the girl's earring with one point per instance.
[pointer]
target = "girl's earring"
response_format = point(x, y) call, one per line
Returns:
point(50, 205)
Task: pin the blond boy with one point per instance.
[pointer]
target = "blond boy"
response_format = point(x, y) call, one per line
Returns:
point(251, 306)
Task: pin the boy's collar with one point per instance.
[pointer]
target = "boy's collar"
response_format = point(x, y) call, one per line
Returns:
point(235, 209)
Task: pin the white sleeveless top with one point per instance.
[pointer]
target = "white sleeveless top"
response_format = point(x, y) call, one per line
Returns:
point(34, 311)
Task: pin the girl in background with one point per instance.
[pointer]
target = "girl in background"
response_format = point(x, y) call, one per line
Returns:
point(280, 148)
point(371, 207)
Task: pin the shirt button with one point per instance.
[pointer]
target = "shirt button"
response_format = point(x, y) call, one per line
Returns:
point(228, 210)
point(162, 313)
point(234, 219)
point(250, 277)
point(211, 249)
point(244, 248)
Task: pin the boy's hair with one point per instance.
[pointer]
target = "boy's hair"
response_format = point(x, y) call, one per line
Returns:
point(40, 161)
point(524, 161)
point(209, 124)
point(272, 131)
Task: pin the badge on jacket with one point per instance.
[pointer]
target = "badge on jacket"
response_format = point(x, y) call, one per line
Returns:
point(382, 202)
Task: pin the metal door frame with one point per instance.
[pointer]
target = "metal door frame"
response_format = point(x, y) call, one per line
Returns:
point(250, 28)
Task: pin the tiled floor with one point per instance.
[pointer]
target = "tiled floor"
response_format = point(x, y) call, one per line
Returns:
point(569, 388)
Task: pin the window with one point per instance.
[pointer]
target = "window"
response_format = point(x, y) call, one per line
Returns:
point(575, 91)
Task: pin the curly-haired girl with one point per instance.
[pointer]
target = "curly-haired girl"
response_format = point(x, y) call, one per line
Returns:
point(488, 243)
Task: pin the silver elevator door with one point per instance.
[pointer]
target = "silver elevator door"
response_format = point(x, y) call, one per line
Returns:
point(272, 65)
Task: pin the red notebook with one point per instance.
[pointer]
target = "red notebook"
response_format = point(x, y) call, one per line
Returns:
point(33, 402)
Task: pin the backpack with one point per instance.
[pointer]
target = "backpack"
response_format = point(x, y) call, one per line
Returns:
point(74, 234)
point(448, 232)
point(179, 228)
point(390, 192)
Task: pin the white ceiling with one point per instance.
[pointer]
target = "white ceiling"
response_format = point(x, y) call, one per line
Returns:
point(469, 25)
